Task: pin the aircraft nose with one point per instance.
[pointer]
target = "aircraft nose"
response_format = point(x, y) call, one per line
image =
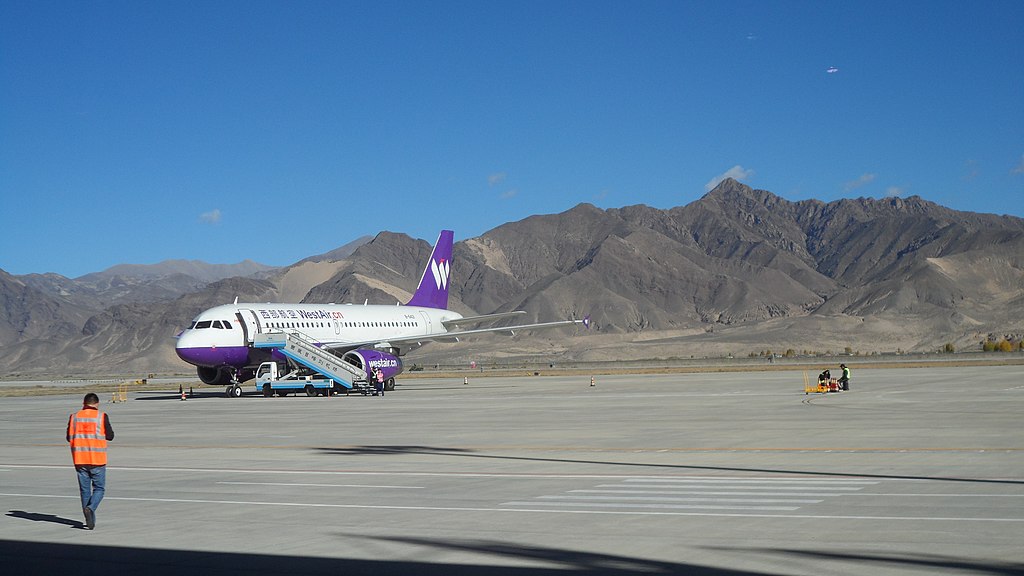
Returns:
point(189, 355)
point(191, 351)
point(207, 350)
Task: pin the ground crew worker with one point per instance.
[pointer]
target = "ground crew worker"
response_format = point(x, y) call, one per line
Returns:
point(844, 380)
point(379, 377)
point(88, 433)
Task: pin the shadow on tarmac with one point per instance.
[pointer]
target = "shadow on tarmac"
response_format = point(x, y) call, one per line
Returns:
point(928, 562)
point(82, 560)
point(36, 517)
point(377, 450)
point(51, 558)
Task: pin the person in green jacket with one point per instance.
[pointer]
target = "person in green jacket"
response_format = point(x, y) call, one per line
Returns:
point(844, 380)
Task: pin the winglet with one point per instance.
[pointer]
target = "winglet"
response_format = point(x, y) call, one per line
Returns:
point(586, 321)
point(433, 289)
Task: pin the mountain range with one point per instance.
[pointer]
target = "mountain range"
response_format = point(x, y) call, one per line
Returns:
point(736, 271)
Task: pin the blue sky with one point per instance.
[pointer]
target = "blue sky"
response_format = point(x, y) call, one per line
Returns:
point(134, 132)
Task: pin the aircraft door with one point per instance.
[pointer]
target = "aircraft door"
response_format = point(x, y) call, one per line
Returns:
point(250, 323)
point(427, 324)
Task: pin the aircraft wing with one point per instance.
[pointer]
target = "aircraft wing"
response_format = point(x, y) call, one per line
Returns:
point(412, 342)
point(482, 318)
point(457, 335)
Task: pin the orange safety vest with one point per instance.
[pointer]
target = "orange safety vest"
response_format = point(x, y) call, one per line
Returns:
point(88, 438)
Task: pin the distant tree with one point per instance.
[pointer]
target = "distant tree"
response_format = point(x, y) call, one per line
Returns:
point(790, 353)
point(848, 350)
point(1005, 346)
point(948, 348)
point(988, 345)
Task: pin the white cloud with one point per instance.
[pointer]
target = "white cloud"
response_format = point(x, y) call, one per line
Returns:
point(211, 217)
point(496, 178)
point(894, 191)
point(510, 193)
point(864, 180)
point(1019, 168)
point(737, 172)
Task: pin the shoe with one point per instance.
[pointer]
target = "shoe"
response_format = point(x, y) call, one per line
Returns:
point(90, 518)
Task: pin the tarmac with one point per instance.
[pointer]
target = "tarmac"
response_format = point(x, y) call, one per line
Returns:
point(912, 471)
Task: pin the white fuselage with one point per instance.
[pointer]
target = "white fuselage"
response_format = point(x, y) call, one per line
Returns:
point(221, 336)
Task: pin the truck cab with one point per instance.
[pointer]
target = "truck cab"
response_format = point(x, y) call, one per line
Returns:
point(270, 379)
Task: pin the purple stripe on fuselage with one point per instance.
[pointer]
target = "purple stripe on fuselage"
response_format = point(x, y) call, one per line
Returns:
point(215, 356)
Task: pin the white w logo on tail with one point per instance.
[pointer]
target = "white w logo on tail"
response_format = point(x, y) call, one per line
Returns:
point(441, 270)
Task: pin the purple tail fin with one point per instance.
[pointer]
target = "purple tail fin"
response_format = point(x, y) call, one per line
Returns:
point(433, 289)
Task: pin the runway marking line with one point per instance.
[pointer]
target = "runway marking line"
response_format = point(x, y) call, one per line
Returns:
point(831, 493)
point(526, 510)
point(296, 484)
point(461, 450)
point(634, 477)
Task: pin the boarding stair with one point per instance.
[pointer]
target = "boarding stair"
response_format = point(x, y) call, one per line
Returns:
point(304, 351)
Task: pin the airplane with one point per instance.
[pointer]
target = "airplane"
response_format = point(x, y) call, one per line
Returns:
point(219, 341)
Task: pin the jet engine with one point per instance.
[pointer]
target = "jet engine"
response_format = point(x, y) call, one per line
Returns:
point(369, 360)
point(214, 375)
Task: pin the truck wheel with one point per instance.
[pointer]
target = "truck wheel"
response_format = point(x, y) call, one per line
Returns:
point(389, 385)
point(267, 391)
point(310, 391)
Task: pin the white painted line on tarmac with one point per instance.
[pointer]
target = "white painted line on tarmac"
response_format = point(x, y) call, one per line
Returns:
point(526, 510)
point(736, 487)
point(622, 477)
point(674, 499)
point(703, 493)
point(657, 506)
point(902, 494)
point(250, 471)
point(734, 480)
point(321, 485)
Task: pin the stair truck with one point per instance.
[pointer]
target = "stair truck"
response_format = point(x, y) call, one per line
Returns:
point(270, 381)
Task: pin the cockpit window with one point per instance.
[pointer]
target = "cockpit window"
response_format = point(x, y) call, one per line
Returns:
point(203, 324)
point(227, 324)
point(216, 324)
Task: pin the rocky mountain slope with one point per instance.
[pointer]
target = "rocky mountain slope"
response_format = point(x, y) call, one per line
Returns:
point(738, 270)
